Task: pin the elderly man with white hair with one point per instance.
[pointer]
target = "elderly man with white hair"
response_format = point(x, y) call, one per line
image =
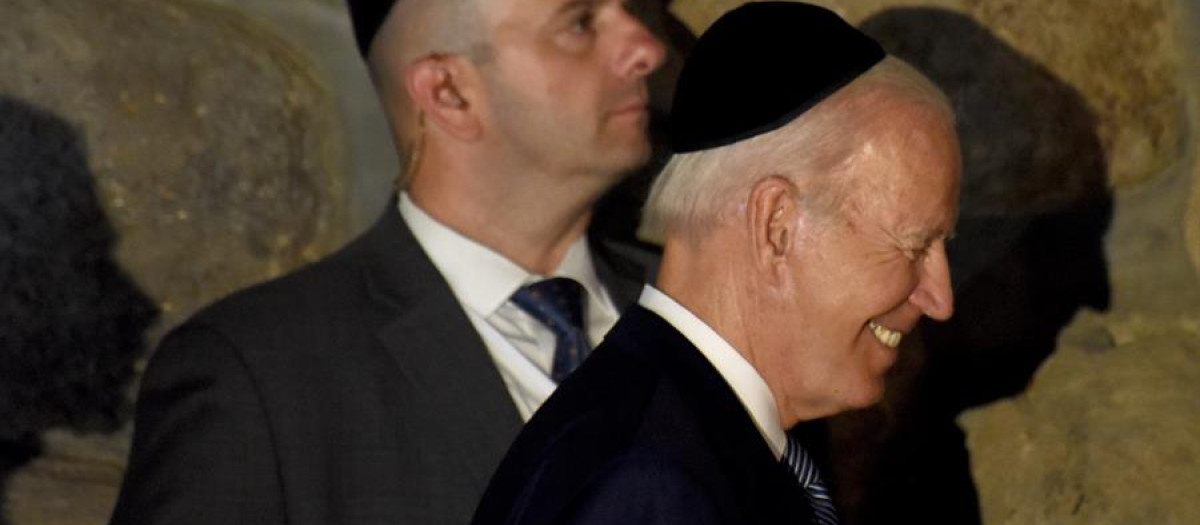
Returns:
point(804, 218)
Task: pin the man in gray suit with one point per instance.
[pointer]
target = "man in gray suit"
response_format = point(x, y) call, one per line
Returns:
point(383, 384)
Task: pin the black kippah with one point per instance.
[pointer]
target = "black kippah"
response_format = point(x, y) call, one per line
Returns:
point(760, 66)
point(367, 16)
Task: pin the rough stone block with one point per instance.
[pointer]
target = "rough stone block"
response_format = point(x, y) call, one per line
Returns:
point(214, 148)
point(199, 154)
point(1101, 437)
point(1191, 222)
point(1122, 58)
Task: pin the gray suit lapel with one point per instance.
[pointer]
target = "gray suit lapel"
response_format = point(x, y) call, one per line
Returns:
point(452, 393)
point(451, 389)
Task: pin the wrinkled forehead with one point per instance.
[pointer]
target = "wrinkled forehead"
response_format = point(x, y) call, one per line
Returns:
point(907, 174)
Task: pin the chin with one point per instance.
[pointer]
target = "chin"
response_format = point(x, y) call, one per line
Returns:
point(639, 148)
point(630, 160)
point(867, 395)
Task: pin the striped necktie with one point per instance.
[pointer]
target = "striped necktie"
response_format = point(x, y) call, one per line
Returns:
point(802, 465)
point(558, 304)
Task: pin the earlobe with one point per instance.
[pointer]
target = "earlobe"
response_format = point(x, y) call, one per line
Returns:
point(438, 88)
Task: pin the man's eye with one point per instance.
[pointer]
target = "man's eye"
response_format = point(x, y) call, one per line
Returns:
point(583, 23)
point(914, 254)
point(578, 34)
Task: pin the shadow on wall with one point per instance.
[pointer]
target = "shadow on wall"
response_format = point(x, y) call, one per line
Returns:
point(71, 321)
point(1028, 255)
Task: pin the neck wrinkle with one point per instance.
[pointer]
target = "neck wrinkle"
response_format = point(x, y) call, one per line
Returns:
point(711, 278)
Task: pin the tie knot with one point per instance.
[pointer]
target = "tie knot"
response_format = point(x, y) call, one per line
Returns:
point(556, 303)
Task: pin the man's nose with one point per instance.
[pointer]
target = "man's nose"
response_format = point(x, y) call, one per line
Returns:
point(934, 296)
point(642, 53)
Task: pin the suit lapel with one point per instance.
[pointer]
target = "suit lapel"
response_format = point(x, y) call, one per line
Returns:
point(449, 384)
point(768, 488)
point(448, 381)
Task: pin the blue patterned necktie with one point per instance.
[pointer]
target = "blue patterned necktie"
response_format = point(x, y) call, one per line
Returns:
point(558, 304)
point(802, 465)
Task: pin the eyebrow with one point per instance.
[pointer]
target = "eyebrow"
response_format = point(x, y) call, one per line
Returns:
point(924, 238)
point(574, 5)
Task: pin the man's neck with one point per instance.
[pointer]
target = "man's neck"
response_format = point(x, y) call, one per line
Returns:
point(531, 220)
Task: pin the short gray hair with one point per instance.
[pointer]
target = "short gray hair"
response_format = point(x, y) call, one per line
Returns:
point(415, 29)
point(424, 27)
point(815, 150)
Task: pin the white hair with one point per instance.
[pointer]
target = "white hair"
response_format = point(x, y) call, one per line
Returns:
point(815, 151)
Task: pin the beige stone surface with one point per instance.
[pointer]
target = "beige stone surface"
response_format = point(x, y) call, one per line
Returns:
point(209, 138)
point(1191, 221)
point(216, 153)
point(74, 483)
point(1122, 58)
point(1190, 41)
point(1101, 436)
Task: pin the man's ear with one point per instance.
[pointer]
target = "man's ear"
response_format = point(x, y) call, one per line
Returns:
point(441, 88)
point(773, 215)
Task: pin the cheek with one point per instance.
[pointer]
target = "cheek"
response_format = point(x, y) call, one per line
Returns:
point(779, 325)
point(890, 286)
point(537, 79)
point(776, 328)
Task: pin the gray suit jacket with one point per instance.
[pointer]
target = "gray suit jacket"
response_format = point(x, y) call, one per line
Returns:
point(353, 391)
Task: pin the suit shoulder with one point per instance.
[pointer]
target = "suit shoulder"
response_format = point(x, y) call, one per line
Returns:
point(384, 257)
point(295, 307)
point(591, 421)
point(605, 458)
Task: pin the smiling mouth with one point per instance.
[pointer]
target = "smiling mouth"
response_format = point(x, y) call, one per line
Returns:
point(886, 336)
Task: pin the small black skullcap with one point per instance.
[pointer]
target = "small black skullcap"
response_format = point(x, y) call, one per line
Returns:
point(759, 67)
point(367, 16)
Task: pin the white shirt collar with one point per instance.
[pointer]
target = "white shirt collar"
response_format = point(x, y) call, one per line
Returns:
point(741, 376)
point(482, 279)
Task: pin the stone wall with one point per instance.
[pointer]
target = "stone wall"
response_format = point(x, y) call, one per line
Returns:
point(207, 143)
point(227, 142)
point(212, 141)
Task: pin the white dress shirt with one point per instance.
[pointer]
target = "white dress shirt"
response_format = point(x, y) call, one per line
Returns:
point(745, 381)
point(483, 282)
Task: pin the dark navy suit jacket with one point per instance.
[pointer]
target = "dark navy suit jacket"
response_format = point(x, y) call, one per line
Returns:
point(355, 391)
point(646, 431)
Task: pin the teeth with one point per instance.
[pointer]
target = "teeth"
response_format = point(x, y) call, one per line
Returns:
point(889, 338)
